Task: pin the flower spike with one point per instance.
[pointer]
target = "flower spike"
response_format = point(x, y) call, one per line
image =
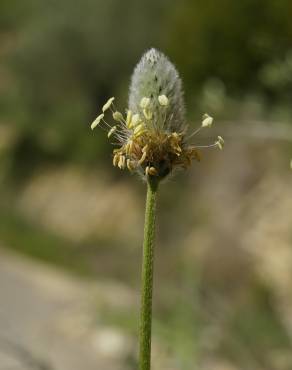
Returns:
point(152, 137)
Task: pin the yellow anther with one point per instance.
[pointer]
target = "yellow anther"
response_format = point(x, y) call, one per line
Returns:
point(177, 150)
point(142, 159)
point(207, 120)
point(140, 133)
point(163, 100)
point(129, 146)
point(108, 104)
point(117, 116)
point(122, 162)
point(96, 122)
point(144, 102)
point(152, 171)
point(130, 165)
point(135, 120)
point(139, 128)
point(116, 159)
point(175, 140)
point(175, 135)
point(129, 118)
point(111, 131)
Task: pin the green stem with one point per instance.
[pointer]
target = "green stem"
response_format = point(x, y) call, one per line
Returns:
point(147, 277)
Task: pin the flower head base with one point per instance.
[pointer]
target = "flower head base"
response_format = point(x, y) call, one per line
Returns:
point(152, 135)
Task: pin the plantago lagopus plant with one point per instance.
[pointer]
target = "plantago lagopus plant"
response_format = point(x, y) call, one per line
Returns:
point(153, 140)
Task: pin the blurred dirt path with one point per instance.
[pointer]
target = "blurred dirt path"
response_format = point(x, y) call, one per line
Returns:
point(48, 321)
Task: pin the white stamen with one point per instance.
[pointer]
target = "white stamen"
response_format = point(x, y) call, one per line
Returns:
point(220, 138)
point(207, 120)
point(111, 131)
point(108, 104)
point(117, 116)
point(163, 100)
point(96, 122)
point(220, 143)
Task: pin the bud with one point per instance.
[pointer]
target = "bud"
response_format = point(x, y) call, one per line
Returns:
point(155, 76)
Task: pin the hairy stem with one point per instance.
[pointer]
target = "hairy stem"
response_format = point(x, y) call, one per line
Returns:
point(147, 277)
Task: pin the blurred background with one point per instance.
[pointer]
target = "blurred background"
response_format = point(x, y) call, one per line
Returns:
point(71, 225)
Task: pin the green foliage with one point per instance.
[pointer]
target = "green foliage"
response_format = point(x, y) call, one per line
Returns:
point(254, 330)
point(232, 41)
point(64, 59)
point(25, 237)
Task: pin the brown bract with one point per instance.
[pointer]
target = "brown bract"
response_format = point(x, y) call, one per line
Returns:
point(157, 153)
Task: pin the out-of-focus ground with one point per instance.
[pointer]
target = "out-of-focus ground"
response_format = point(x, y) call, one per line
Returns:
point(222, 276)
point(71, 226)
point(50, 320)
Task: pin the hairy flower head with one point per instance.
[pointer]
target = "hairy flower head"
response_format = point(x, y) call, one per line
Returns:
point(152, 134)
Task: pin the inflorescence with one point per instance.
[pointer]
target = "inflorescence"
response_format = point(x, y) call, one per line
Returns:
point(152, 134)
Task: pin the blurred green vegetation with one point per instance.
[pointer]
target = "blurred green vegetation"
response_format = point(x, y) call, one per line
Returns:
point(61, 59)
